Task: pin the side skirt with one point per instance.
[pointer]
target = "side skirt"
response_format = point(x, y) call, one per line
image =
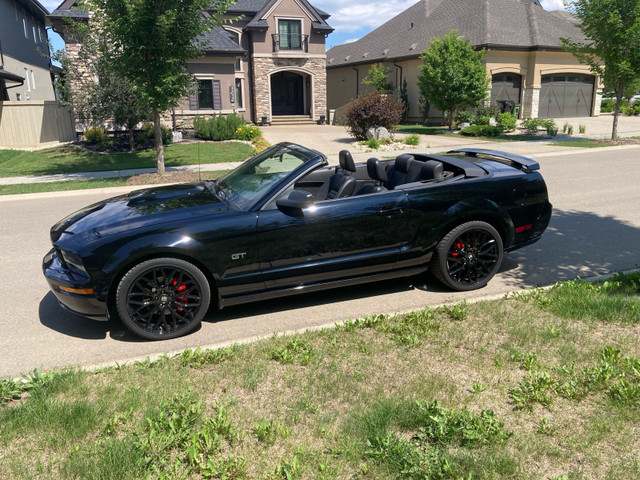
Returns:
point(284, 292)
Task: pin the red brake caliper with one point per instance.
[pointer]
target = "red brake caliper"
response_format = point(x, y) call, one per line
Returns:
point(459, 246)
point(181, 300)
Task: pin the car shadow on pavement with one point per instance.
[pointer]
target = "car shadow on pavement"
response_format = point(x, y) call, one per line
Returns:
point(576, 244)
point(56, 318)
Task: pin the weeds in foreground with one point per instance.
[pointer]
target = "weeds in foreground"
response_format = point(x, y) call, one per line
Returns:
point(471, 391)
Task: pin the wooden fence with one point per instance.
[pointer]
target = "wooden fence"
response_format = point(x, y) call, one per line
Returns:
point(32, 123)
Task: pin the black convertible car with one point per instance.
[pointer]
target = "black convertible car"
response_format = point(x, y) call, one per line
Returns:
point(285, 222)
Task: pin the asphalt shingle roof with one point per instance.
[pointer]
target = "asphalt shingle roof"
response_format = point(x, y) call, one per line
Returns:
point(508, 24)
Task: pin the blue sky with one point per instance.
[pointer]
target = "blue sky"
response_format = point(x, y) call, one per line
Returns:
point(352, 20)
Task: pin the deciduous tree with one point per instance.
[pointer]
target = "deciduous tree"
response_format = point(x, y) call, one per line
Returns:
point(453, 76)
point(149, 44)
point(612, 46)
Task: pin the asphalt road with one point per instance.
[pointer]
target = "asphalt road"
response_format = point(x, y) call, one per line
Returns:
point(595, 230)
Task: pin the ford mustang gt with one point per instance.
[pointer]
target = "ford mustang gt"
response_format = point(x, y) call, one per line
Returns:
point(286, 222)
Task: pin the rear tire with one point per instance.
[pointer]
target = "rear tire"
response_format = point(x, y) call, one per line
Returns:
point(163, 298)
point(468, 256)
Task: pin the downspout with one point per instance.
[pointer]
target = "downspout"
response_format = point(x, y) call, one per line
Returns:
point(357, 81)
point(252, 86)
point(398, 84)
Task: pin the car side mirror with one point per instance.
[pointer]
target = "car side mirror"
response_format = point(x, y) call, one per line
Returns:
point(295, 202)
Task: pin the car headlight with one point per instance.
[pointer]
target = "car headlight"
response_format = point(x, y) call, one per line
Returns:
point(71, 262)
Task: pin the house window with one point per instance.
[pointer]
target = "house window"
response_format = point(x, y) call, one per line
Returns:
point(290, 34)
point(239, 93)
point(33, 80)
point(24, 26)
point(26, 80)
point(209, 96)
point(235, 36)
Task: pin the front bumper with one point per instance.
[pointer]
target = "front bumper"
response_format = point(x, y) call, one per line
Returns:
point(74, 292)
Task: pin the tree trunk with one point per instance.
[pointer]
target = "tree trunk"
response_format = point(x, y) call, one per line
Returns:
point(450, 115)
point(157, 131)
point(616, 111)
point(132, 142)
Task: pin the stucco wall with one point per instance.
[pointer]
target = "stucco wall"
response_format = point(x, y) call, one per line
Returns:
point(342, 86)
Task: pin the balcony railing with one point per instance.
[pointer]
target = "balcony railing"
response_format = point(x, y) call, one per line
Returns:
point(290, 42)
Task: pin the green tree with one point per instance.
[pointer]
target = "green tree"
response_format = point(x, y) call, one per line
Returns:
point(612, 46)
point(149, 43)
point(377, 76)
point(453, 76)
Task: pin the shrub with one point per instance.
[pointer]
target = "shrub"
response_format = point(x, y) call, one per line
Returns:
point(412, 140)
point(635, 109)
point(146, 134)
point(373, 143)
point(482, 120)
point(96, 135)
point(481, 131)
point(465, 117)
point(531, 125)
point(372, 110)
point(582, 128)
point(507, 122)
point(248, 131)
point(259, 144)
point(218, 127)
point(608, 105)
point(570, 129)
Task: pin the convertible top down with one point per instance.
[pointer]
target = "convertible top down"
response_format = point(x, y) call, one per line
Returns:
point(285, 222)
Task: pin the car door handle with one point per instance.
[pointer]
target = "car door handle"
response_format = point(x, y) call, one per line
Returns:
point(390, 211)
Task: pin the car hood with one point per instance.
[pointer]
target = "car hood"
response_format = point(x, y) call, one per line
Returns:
point(141, 208)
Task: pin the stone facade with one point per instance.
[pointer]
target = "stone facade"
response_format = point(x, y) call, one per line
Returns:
point(530, 103)
point(313, 68)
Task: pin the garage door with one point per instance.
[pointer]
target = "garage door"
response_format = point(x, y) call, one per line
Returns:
point(506, 86)
point(566, 95)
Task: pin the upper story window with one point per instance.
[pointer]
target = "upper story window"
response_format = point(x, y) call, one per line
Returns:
point(235, 36)
point(289, 36)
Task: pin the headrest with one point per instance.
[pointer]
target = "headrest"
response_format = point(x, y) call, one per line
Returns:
point(346, 161)
point(431, 169)
point(376, 170)
point(403, 162)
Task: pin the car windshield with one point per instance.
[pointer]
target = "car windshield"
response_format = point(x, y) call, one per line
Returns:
point(252, 180)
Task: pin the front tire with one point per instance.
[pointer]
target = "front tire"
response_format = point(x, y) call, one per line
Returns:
point(468, 256)
point(163, 298)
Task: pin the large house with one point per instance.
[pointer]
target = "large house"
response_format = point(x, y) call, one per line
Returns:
point(524, 57)
point(268, 63)
point(25, 68)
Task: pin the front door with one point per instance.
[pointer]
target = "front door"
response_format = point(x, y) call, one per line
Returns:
point(287, 93)
point(334, 239)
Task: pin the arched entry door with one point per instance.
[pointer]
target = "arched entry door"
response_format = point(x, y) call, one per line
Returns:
point(287, 93)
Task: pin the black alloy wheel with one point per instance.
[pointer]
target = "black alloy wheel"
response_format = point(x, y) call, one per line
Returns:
point(468, 256)
point(163, 298)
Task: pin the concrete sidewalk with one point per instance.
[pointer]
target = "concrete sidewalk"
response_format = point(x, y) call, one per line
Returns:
point(330, 139)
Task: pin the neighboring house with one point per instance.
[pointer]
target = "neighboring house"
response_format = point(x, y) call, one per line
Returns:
point(270, 65)
point(25, 68)
point(523, 56)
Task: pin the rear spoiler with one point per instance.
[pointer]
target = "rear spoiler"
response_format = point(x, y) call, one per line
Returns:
point(517, 161)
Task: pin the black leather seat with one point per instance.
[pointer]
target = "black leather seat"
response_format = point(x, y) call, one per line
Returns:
point(397, 175)
point(376, 172)
point(342, 183)
point(432, 170)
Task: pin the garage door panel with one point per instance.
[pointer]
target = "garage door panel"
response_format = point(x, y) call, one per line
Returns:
point(566, 96)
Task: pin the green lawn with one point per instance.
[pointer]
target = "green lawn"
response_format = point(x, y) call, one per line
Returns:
point(69, 159)
point(542, 385)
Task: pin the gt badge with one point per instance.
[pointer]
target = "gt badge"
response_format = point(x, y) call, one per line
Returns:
point(238, 256)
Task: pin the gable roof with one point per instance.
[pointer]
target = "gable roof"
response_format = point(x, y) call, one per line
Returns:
point(254, 10)
point(496, 24)
point(35, 8)
point(258, 22)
